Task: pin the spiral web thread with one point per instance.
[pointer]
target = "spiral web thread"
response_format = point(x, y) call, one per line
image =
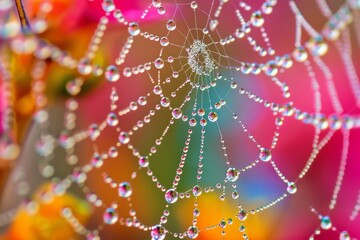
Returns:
point(188, 82)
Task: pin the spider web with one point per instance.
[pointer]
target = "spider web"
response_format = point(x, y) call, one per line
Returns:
point(200, 99)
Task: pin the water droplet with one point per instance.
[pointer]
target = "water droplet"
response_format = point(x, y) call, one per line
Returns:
point(84, 66)
point(97, 161)
point(124, 138)
point(112, 119)
point(159, 63)
point(110, 216)
point(300, 54)
point(156, 3)
point(134, 29)
point(177, 113)
point(45, 145)
point(171, 25)
point(78, 176)
point(192, 232)
point(291, 188)
point(196, 212)
point(196, 191)
point(242, 215)
point(143, 161)
point(317, 46)
point(213, 24)
point(193, 5)
point(142, 101)
point(325, 223)
point(270, 68)
point(158, 232)
point(92, 236)
point(93, 131)
point(232, 174)
point(171, 195)
point(108, 5)
point(112, 73)
point(164, 41)
point(165, 102)
point(257, 19)
point(125, 190)
point(157, 90)
point(265, 154)
point(344, 235)
point(213, 116)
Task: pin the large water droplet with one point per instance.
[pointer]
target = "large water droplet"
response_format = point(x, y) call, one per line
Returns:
point(112, 119)
point(265, 154)
point(242, 215)
point(325, 223)
point(257, 19)
point(232, 174)
point(108, 5)
point(159, 63)
point(158, 232)
point(112, 73)
point(171, 25)
point(171, 195)
point(177, 113)
point(78, 176)
point(192, 232)
point(317, 46)
point(344, 235)
point(291, 188)
point(110, 216)
point(134, 29)
point(213, 116)
point(124, 137)
point(196, 191)
point(164, 41)
point(125, 190)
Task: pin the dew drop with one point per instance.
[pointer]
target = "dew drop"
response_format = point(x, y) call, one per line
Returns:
point(193, 5)
point(257, 19)
point(112, 119)
point(108, 5)
point(158, 232)
point(317, 46)
point(196, 191)
point(213, 116)
point(112, 73)
point(192, 232)
point(232, 174)
point(124, 137)
point(84, 66)
point(134, 29)
point(242, 215)
point(344, 235)
point(97, 161)
point(171, 25)
point(177, 113)
point(300, 54)
point(165, 102)
point(291, 188)
point(125, 190)
point(78, 176)
point(159, 63)
point(110, 216)
point(143, 162)
point(164, 41)
point(325, 223)
point(171, 195)
point(265, 154)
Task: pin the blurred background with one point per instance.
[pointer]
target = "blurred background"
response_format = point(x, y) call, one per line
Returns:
point(29, 85)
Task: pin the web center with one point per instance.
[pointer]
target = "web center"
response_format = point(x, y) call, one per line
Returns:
point(200, 59)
